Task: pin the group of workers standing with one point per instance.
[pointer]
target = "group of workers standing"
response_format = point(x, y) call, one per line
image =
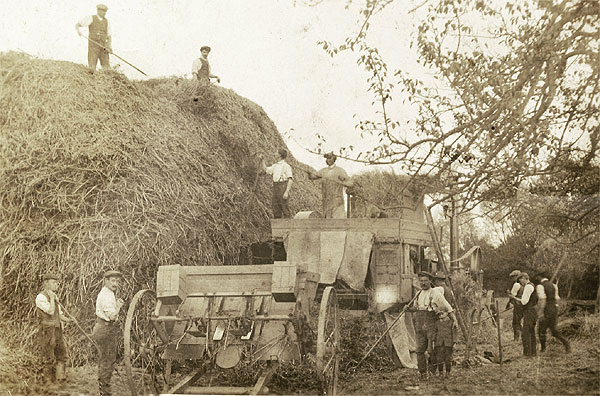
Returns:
point(333, 180)
point(106, 332)
point(533, 301)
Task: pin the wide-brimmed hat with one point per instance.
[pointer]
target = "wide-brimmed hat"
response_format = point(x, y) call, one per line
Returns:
point(439, 275)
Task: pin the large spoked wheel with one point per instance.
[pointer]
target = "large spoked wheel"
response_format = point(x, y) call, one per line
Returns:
point(142, 346)
point(328, 342)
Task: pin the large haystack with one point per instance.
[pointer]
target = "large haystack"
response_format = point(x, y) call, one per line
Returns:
point(100, 172)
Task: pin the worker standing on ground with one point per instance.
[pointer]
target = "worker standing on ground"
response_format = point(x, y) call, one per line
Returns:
point(445, 329)
point(282, 183)
point(99, 37)
point(106, 331)
point(529, 301)
point(333, 180)
point(201, 67)
point(515, 291)
point(53, 351)
point(428, 303)
point(548, 296)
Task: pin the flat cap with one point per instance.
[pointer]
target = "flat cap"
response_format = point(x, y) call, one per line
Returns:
point(50, 275)
point(514, 273)
point(523, 275)
point(425, 273)
point(439, 275)
point(205, 47)
point(330, 155)
point(112, 273)
point(101, 7)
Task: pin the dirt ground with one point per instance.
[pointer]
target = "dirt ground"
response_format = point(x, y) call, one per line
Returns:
point(550, 373)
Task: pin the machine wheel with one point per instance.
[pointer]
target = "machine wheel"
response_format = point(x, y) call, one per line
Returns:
point(328, 342)
point(142, 346)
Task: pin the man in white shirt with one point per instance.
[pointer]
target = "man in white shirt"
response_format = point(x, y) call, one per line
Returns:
point(516, 291)
point(548, 297)
point(99, 37)
point(106, 331)
point(529, 301)
point(201, 67)
point(50, 336)
point(282, 183)
point(428, 304)
point(333, 180)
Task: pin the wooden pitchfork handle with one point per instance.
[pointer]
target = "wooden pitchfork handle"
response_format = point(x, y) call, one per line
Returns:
point(77, 325)
point(112, 53)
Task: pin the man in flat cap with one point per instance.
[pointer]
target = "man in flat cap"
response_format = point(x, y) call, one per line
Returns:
point(428, 304)
point(52, 344)
point(99, 37)
point(282, 175)
point(333, 180)
point(528, 301)
point(515, 291)
point(201, 67)
point(106, 331)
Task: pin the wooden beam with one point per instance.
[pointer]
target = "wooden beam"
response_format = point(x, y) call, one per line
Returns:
point(265, 377)
point(219, 390)
point(187, 380)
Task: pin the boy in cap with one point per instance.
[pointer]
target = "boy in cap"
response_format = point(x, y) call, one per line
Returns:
point(106, 331)
point(99, 37)
point(516, 291)
point(282, 183)
point(334, 179)
point(201, 67)
point(52, 344)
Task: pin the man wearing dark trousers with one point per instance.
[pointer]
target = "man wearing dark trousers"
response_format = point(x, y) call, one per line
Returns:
point(106, 332)
point(428, 303)
point(53, 351)
point(516, 291)
point(99, 37)
point(548, 310)
point(529, 301)
point(282, 183)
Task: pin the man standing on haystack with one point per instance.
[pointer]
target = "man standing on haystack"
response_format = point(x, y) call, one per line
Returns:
point(334, 179)
point(99, 37)
point(53, 350)
point(516, 291)
point(201, 67)
point(106, 331)
point(282, 183)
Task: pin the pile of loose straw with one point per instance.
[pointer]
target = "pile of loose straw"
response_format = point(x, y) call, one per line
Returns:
point(98, 172)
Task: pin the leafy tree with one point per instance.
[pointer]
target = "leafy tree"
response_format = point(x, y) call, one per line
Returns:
point(519, 92)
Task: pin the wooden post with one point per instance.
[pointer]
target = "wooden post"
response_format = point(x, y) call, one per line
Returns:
point(499, 333)
point(440, 256)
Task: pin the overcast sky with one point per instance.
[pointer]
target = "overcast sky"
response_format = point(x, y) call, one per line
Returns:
point(265, 50)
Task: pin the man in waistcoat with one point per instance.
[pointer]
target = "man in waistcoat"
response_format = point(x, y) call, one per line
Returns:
point(282, 183)
point(515, 291)
point(528, 301)
point(99, 37)
point(333, 180)
point(53, 351)
point(426, 306)
point(548, 296)
point(106, 331)
point(201, 67)
point(445, 329)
